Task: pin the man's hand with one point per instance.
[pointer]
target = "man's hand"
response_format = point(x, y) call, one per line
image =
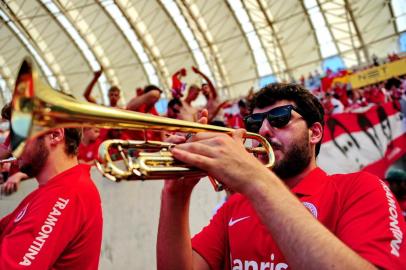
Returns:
point(11, 185)
point(224, 157)
point(183, 185)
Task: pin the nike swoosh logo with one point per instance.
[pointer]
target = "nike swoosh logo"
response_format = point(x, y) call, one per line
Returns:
point(21, 214)
point(232, 222)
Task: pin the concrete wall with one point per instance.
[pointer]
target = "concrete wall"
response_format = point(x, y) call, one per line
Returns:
point(131, 212)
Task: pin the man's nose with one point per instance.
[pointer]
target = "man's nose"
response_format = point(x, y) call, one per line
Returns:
point(266, 129)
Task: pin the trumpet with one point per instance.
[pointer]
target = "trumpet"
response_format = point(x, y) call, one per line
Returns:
point(7, 160)
point(37, 108)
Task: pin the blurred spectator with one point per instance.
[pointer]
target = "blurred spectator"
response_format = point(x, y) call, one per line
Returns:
point(177, 85)
point(139, 91)
point(174, 107)
point(10, 174)
point(88, 150)
point(192, 94)
point(113, 94)
point(375, 61)
point(183, 109)
point(397, 183)
point(393, 57)
point(340, 90)
point(237, 120)
point(332, 105)
point(374, 94)
point(302, 80)
point(213, 105)
point(145, 103)
point(356, 101)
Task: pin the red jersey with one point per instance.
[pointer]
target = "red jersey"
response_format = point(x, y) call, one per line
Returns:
point(235, 121)
point(358, 208)
point(150, 135)
point(57, 226)
point(89, 152)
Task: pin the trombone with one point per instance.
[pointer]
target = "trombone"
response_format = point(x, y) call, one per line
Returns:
point(37, 108)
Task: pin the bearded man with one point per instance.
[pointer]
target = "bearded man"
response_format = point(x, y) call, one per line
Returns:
point(293, 216)
point(58, 225)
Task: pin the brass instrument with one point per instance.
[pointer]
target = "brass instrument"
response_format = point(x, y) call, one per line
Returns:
point(7, 160)
point(37, 108)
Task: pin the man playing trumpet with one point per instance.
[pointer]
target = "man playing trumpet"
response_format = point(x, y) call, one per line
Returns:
point(293, 216)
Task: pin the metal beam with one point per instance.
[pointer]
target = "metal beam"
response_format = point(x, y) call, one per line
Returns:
point(221, 78)
point(392, 14)
point(323, 13)
point(155, 60)
point(364, 48)
point(10, 13)
point(245, 39)
point(313, 30)
point(275, 36)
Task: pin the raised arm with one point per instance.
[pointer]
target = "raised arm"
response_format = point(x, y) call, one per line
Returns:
point(208, 81)
point(177, 85)
point(149, 99)
point(89, 88)
point(178, 75)
point(217, 109)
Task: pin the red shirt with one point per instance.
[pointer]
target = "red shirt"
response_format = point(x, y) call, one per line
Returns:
point(235, 121)
point(89, 152)
point(358, 208)
point(57, 226)
point(149, 135)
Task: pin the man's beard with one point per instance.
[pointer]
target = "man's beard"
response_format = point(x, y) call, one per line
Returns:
point(36, 160)
point(295, 160)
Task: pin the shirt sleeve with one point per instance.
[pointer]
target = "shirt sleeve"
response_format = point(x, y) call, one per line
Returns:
point(211, 243)
point(39, 237)
point(371, 223)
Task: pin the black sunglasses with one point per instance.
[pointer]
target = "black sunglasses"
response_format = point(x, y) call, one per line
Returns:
point(277, 117)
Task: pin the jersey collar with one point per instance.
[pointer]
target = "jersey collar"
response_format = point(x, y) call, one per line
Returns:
point(311, 183)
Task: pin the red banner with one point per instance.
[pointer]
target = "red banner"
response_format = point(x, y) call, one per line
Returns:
point(371, 141)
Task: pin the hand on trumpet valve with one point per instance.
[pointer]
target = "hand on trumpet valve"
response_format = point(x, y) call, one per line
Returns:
point(184, 183)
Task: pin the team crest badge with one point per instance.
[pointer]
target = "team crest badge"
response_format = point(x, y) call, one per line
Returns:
point(312, 208)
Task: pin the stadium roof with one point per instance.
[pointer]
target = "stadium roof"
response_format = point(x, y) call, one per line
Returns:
point(238, 44)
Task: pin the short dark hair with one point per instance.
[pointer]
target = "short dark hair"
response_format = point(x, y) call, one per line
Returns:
point(173, 102)
point(310, 107)
point(6, 112)
point(151, 87)
point(114, 88)
point(241, 103)
point(72, 140)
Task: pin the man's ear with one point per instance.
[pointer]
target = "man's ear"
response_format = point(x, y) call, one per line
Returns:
point(56, 136)
point(316, 133)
